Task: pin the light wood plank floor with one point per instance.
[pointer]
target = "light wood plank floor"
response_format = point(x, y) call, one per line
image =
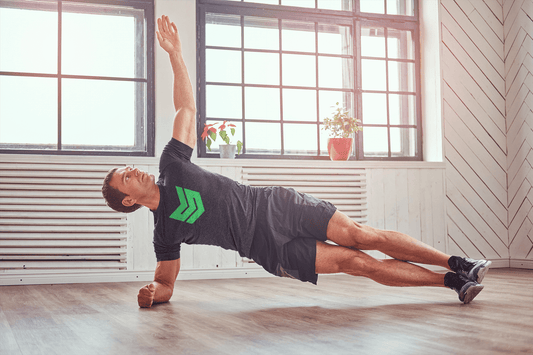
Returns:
point(343, 315)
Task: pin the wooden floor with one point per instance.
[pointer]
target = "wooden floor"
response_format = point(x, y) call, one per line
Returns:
point(343, 315)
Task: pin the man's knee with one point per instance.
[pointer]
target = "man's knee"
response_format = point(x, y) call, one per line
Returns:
point(346, 232)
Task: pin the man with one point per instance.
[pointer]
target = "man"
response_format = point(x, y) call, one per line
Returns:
point(282, 230)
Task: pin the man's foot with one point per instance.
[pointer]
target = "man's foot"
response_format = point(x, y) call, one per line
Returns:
point(466, 289)
point(474, 270)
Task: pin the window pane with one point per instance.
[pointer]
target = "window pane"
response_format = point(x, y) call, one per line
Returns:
point(300, 3)
point(375, 141)
point(224, 101)
point(99, 45)
point(261, 33)
point(28, 111)
point(335, 5)
point(215, 146)
point(373, 42)
point(298, 36)
point(299, 105)
point(261, 68)
point(299, 70)
point(223, 66)
point(300, 139)
point(373, 6)
point(328, 100)
point(98, 112)
point(335, 73)
point(222, 30)
point(400, 7)
point(324, 135)
point(262, 103)
point(26, 35)
point(373, 74)
point(400, 44)
point(333, 39)
point(374, 108)
point(402, 109)
point(401, 76)
point(403, 142)
point(263, 138)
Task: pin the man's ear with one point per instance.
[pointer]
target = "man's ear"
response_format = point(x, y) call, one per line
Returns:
point(128, 201)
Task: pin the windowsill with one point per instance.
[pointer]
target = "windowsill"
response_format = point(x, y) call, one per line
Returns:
point(132, 160)
point(321, 163)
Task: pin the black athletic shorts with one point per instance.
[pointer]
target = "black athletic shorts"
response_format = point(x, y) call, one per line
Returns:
point(288, 226)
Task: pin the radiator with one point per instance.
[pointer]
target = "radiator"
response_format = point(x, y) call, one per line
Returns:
point(344, 187)
point(53, 217)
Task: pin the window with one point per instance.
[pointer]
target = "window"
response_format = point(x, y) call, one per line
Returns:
point(76, 77)
point(276, 69)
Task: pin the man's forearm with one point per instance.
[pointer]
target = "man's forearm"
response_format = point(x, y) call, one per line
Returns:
point(183, 94)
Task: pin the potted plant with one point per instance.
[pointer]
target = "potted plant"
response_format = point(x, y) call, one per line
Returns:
point(341, 126)
point(227, 151)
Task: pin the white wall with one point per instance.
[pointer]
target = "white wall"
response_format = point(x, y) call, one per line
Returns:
point(407, 196)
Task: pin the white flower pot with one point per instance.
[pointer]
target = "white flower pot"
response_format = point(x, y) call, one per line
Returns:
point(227, 151)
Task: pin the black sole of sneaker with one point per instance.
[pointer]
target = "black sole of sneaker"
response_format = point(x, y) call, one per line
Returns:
point(471, 293)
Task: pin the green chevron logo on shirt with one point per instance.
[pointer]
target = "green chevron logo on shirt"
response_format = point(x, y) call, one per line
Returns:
point(191, 206)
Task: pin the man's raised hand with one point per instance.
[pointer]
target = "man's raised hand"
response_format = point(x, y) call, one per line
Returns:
point(145, 298)
point(168, 36)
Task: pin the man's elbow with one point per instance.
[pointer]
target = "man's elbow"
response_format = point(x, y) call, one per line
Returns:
point(187, 110)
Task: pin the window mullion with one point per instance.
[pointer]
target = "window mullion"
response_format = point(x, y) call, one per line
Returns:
point(317, 86)
point(281, 85)
point(243, 114)
point(59, 79)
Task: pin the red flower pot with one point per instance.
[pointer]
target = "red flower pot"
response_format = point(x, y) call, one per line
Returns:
point(339, 148)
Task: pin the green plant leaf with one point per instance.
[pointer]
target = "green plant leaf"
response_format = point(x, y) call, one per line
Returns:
point(213, 135)
point(232, 131)
point(239, 147)
point(208, 144)
point(223, 135)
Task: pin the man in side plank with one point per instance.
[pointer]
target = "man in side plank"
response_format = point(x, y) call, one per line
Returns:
point(282, 230)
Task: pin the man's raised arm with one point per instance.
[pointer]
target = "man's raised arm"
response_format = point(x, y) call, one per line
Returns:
point(185, 120)
point(161, 289)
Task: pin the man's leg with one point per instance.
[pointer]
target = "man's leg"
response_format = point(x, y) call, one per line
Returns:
point(346, 232)
point(334, 259)
point(391, 272)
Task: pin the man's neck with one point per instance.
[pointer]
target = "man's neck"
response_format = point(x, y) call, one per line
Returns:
point(153, 201)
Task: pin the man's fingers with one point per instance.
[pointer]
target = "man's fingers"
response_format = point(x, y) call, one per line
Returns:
point(159, 38)
point(174, 27)
point(165, 23)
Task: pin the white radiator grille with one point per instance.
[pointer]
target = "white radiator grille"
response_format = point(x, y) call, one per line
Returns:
point(344, 187)
point(53, 217)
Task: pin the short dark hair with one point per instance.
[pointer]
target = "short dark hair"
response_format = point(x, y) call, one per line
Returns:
point(113, 197)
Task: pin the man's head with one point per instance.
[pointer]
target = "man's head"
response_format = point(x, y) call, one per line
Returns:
point(127, 189)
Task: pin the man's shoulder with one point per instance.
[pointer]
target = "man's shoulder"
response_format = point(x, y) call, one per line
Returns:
point(174, 151)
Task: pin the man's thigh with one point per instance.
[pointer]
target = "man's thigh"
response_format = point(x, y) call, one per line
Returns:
point(332, 259)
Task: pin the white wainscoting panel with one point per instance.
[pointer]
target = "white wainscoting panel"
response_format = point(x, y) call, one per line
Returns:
point(410, 201)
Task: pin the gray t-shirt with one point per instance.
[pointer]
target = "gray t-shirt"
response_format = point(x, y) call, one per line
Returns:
point(200, 207)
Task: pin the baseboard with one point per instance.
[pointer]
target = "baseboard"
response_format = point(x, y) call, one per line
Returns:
point(522, 263)
point(126, 276)
point(499, 263)
point(200, 274)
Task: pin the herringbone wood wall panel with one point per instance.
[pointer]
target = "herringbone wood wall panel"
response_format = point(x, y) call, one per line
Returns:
point(475, 130)
point(518, 30)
